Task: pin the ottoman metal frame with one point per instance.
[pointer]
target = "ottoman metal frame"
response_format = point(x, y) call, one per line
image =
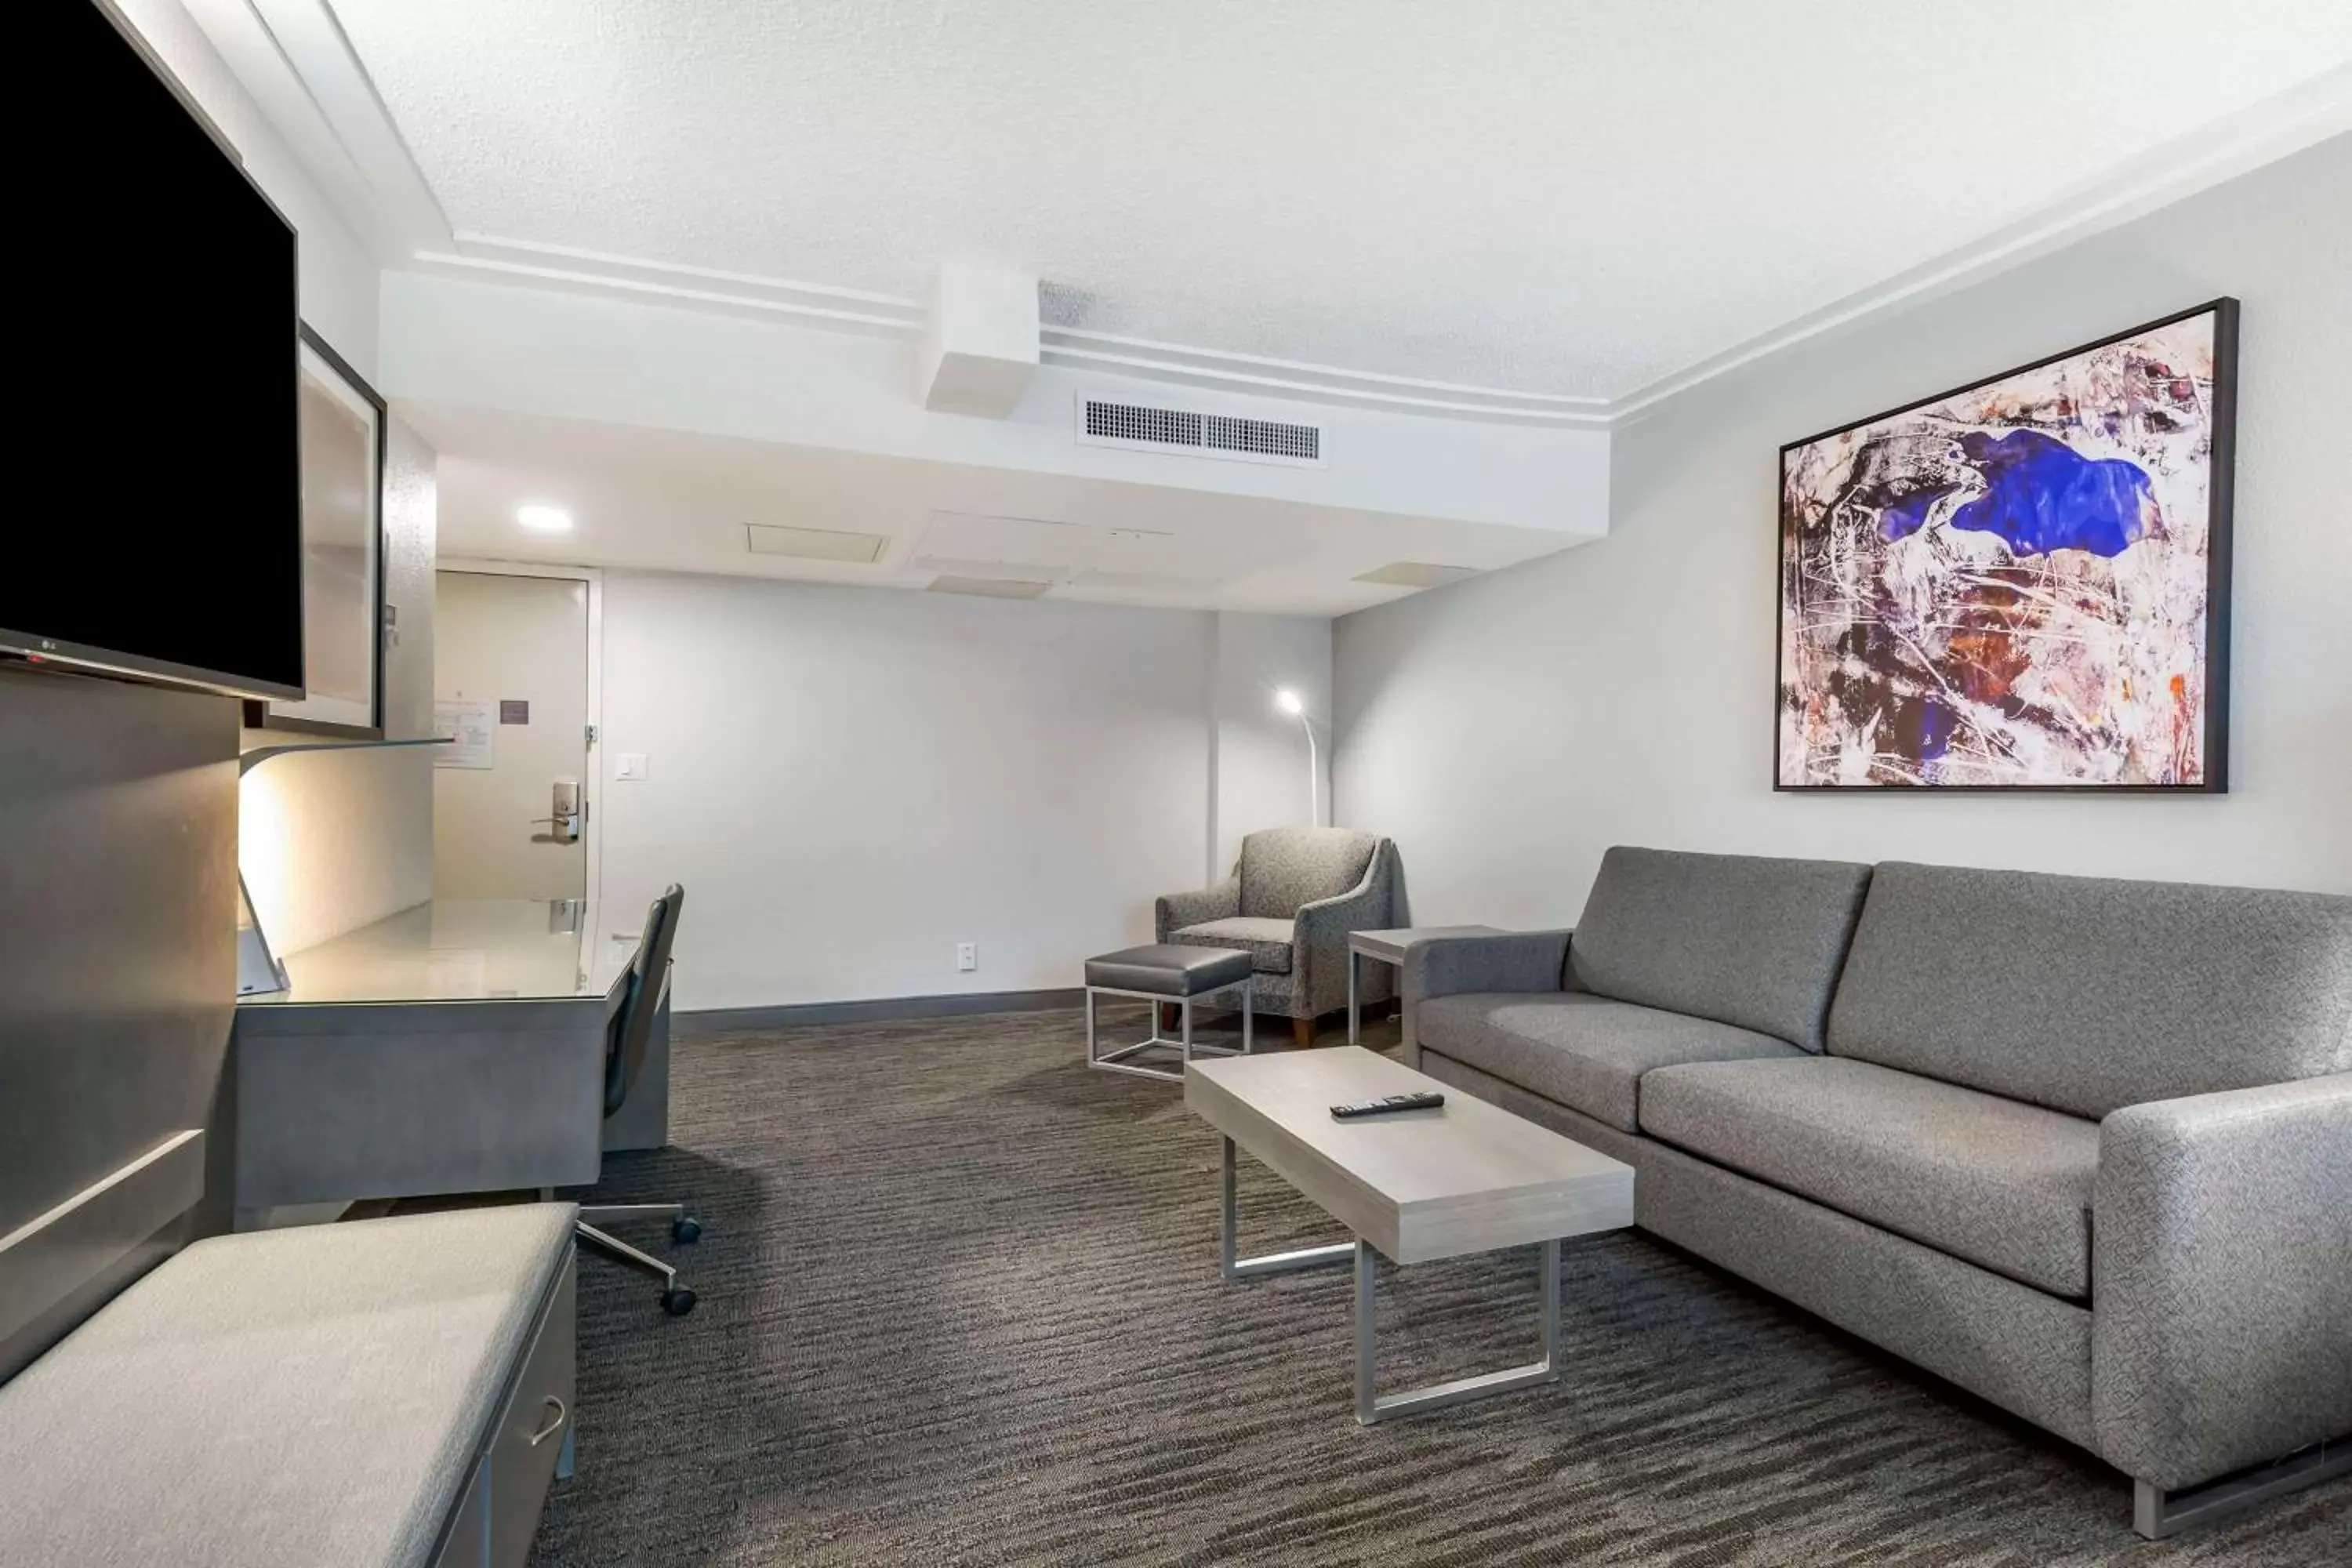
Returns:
point(1183, 1045)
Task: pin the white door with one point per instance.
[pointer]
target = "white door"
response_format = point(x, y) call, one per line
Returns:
point(510, 679)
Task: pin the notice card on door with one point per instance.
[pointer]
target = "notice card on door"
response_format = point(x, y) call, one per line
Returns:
point(471, 722)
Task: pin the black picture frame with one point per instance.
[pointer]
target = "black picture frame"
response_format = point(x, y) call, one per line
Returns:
point(274, 714)
point(2221, 500)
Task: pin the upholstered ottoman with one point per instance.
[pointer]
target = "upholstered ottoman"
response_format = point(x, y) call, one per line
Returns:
point(1166, 973)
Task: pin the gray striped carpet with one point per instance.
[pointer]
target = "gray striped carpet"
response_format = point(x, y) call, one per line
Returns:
point(961, 1305)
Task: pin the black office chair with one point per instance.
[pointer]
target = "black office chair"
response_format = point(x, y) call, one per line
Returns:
point(624, 1057)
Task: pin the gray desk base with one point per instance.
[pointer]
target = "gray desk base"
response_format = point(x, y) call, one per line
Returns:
point(337, 1102)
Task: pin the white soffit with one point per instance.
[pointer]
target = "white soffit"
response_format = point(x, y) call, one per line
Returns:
point(1550, 211)
point(677, 500)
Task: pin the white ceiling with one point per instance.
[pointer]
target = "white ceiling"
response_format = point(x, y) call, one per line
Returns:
point(1575, 197)
point(680, 501)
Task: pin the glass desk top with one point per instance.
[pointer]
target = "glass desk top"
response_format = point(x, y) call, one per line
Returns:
point(461, 950)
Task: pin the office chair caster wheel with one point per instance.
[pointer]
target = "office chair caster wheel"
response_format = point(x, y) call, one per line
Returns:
point(678, 1301)
point(684, 1228)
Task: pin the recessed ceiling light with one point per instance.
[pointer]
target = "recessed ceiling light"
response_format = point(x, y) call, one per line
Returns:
point(544, 518)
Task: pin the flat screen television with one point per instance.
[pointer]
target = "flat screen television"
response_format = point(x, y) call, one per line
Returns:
point(154, 525)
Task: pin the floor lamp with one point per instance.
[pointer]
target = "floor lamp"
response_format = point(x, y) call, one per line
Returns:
point(1290, 702)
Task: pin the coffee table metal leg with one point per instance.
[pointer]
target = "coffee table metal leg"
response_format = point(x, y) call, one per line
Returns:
point(1271, 1262)
point(1371, 1406)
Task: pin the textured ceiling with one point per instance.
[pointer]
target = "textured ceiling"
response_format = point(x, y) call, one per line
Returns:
point(1570, 197)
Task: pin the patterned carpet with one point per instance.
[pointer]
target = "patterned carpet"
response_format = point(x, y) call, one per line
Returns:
point(961, 1305)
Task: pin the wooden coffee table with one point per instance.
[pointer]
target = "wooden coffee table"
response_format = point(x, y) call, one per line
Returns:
point(1422, 1184)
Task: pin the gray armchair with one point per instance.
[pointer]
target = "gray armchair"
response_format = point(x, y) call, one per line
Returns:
point(1289, 904)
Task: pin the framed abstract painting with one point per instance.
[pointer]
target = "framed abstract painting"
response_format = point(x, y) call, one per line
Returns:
point(2022, 584)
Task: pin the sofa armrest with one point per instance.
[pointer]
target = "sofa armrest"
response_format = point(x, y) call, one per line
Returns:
point(1174, 911)
point(2222, 1278)
point(1457, 966)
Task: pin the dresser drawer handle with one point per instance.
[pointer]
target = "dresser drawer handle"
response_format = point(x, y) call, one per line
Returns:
point(552, 1427)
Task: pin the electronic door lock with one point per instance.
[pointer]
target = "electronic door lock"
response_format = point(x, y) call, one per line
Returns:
point(567, 811)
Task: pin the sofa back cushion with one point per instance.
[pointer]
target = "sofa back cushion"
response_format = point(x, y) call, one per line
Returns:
point(1283, 868)
point(2088, 995)
point(1736, 938)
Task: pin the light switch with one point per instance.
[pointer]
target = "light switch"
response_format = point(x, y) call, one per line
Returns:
point(629, 765)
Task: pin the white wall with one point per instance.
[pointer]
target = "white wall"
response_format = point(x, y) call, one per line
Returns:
point(1509, 729)
point(1261, 756)
point(849, 782)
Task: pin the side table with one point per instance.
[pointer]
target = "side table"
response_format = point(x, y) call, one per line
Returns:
point(1389, 946)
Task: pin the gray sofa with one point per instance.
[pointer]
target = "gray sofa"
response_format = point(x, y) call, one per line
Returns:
point(1293, 897)
point(2083, 1147)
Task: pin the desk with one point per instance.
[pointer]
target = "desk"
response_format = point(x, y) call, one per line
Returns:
point(455, 1047)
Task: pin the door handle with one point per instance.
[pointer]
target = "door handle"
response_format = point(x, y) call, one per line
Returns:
point(562, 829)
point(566, 810)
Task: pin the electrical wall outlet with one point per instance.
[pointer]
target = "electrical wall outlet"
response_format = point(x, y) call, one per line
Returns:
point(967, 955)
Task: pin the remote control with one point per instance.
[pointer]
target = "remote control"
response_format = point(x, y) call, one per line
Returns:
point(1429, 1100)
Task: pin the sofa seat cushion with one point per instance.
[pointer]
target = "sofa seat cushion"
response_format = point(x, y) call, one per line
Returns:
point(1267, 942)
point(1580, 1051)
point(1998, 1182)
point(308, 1396)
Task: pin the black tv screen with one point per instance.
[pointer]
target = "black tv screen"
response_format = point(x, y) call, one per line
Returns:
point(158, 530)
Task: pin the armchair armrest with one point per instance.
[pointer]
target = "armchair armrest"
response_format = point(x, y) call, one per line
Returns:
point(1456, 965)
point(2222, 1278)
point(1318, 939)
point(1174, 911)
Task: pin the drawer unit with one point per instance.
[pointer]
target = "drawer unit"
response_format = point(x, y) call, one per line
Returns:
point(494, 1524)
point(535, 1431)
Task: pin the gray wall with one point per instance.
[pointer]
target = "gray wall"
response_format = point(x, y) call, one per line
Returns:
point(851, 780)
point(1506, 730)
point(117, 955)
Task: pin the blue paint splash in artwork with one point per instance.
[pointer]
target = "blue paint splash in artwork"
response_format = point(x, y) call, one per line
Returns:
point(2041, 495)
point(1936, 723)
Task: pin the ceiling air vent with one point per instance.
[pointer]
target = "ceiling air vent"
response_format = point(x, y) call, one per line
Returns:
point(1415, 574)
point(1104, 423)
point(988, 587)
point(813, 543)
